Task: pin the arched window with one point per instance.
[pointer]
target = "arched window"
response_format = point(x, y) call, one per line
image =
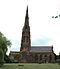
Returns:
point(36, 57)
point(24, 39)
point(45, 56)
point(40, 57)
point(50, 57)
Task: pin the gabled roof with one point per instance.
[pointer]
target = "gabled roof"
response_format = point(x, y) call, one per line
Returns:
point(41, 49)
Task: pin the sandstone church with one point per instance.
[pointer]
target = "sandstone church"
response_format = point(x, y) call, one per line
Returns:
point(31, 54)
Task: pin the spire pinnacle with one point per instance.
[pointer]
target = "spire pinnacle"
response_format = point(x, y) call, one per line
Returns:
point(26, 18)
point(27, 8)
point(27, 12)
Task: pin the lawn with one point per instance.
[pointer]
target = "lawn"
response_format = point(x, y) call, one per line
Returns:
point(30, 66)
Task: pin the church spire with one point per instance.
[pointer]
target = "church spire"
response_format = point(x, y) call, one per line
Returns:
point(25, 41)
point(27, 17)
point(27, 12)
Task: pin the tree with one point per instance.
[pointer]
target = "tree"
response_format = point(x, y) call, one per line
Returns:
point(1, 57)
point(4, 43)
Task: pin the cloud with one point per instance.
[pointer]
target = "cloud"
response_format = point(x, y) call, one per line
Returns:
point(15, 45)
point(42, 41)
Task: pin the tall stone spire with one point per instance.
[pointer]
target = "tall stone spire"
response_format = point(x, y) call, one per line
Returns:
point(27, 12)
point(26, 18)
point(25, 41)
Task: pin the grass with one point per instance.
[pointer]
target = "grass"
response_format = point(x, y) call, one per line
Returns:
point(30, 66)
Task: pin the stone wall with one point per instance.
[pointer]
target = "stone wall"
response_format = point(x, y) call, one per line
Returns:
point(42, 57)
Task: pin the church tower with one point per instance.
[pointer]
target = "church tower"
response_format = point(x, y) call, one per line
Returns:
point(25, 40)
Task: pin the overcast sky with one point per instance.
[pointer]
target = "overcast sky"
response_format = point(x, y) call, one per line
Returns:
point(45, 30)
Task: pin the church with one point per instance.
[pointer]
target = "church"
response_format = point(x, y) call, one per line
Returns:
point(31, 54)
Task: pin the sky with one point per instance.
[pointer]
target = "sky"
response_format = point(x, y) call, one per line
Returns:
point(45, 30)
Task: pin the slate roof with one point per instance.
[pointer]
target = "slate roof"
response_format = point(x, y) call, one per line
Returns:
point(41, 49)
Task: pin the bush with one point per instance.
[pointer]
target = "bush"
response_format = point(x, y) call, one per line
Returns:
point(1, 57)
point(7, 59)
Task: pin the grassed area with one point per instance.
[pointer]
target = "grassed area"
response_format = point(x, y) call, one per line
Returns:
point(30, 66)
